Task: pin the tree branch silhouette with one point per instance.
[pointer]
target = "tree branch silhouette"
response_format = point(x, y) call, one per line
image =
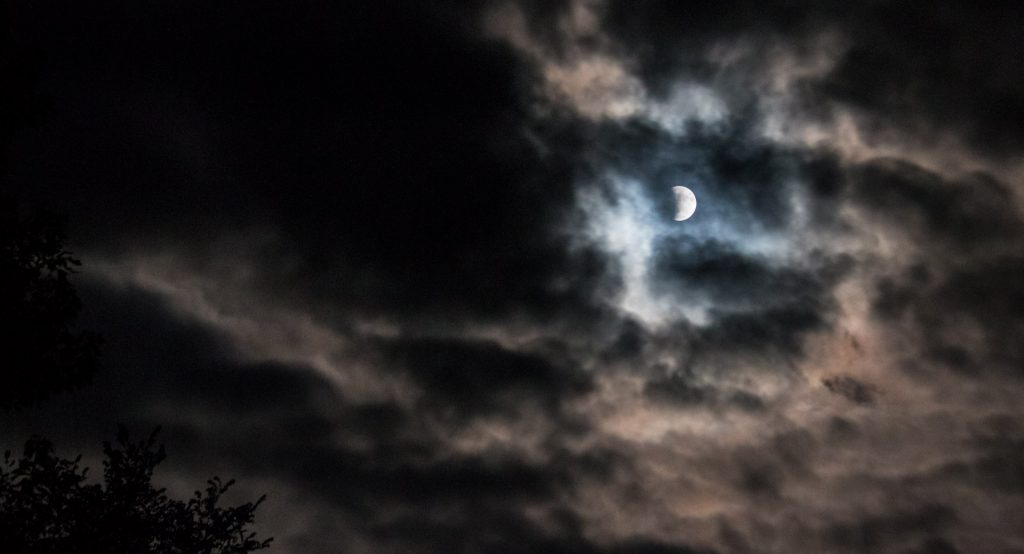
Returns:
point(45, 355)
point(48, 506)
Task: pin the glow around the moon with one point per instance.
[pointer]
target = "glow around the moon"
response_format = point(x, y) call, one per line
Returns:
point(686, 203)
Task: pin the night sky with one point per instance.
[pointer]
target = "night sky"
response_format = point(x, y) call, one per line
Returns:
point(411, 268)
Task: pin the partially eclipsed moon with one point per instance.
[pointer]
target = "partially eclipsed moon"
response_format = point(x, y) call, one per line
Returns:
point(686, 203)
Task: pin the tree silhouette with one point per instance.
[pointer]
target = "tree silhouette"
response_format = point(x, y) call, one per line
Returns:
point(43, 354)
point(48, 506)
point(46, 503)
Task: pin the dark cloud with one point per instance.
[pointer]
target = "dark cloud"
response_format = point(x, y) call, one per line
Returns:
point(841, 430)
point(853, 390)
point(403, 175)
point(985, 293)
point(383, 148)
point(287, 424)
point(876, 532)
point(680, 390)
point(949, 68)
point(825, 179)
point(672, 37)
point(763, 474)
point(935, 545)
point(997, 461)
point(474, 377)
point(895, 71)
point(970, 213)
point(732, 280)
point(965, 271)
point(772, 329)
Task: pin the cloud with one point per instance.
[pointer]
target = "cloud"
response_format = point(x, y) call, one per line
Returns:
point(412, 270)
point(873, 533)
point(851, 389)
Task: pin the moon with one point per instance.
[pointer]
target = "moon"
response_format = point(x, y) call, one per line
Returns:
point(686, 203)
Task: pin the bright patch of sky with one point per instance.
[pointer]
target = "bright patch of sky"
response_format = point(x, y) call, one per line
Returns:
point(629, 224)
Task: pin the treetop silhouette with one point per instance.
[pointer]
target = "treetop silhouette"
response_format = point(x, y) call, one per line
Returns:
point(47, 505)
point(43, 353)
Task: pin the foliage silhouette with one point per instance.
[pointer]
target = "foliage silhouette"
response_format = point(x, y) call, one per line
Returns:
point(48, 506)
point(44, 355)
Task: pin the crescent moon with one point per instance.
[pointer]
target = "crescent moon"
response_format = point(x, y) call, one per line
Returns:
point(686, 203)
